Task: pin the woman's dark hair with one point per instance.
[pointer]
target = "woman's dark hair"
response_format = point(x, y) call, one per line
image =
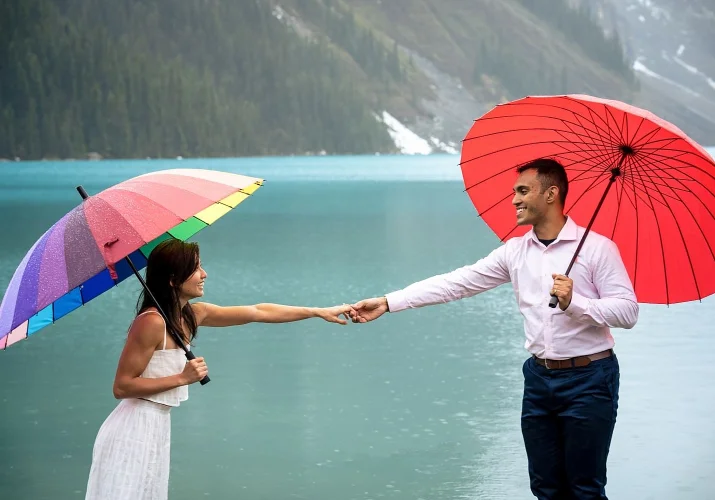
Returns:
point(169, 265)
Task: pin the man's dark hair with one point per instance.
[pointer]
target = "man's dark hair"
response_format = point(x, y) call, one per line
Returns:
point(550, 173)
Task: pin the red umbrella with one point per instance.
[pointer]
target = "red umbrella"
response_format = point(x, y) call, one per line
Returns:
point(633, 177)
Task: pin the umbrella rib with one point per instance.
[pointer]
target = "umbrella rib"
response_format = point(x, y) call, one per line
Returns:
point(655, 180)
point(639, 190)
point(625, 193)
point(603, 151)
point(682, 169)
point(638, 129)
point(619, 197)
point(604, 138)
point(654, 165)
point(559, 108)
point(652, 181)
point(685, 164)
point(615, 123)
point(593, 184)
point(504, 149)
point(509, 169)
point(536, 143)
point(662, 250)
point(532, 129)
point(495, 205)
point(654, 168)
point(585, 158)
point(507, 234)
point(519, 115)
point(635, 206)
point(599, 136)
point(638, 143)
point(563, 120)
point(645, 198)
point(654, 152)
point(682, 239)
point(578, 177)
point(656, 141)
point(514, 167)
point(593, 141)
point(608, 129)
point(624, 125)
point(587, 177)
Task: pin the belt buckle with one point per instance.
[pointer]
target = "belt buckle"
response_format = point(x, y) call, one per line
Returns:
point(546, 364)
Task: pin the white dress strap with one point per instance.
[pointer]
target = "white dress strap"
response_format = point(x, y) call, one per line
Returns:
point(162, 318)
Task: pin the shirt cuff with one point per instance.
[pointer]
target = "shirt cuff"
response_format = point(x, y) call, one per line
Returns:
point(577, 307)
point(396, 301)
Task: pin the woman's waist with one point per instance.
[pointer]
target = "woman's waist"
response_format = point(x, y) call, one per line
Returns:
point(145, 404)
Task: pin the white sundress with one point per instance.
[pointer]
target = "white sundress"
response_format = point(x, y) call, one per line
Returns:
point(131, 455)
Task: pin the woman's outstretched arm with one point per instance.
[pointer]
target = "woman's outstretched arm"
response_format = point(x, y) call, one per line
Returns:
point(213, 315)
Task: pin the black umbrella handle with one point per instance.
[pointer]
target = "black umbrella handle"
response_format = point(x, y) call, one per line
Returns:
point(614, 175)
point(189, 355)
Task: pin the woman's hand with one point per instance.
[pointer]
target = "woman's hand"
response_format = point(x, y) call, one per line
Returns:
point(194, 371)
point(336, 314)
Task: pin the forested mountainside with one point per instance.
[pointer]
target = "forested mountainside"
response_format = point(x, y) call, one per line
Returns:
point(153, 78)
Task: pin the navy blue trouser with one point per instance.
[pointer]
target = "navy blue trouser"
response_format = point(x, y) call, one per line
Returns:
point(567, 421)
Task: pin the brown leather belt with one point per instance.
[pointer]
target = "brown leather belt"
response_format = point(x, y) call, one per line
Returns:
point(577, 362)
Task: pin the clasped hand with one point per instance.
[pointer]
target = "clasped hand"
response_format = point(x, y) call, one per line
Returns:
point(360, 312)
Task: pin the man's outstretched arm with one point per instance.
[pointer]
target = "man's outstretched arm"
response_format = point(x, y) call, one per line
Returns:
point(467, 281)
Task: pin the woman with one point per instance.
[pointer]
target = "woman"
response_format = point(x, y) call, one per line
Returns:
point(130, 459)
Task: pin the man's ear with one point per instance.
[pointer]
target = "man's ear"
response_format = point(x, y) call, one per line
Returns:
point(552, 194)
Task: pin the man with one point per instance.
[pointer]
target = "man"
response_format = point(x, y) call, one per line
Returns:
point(571, 380)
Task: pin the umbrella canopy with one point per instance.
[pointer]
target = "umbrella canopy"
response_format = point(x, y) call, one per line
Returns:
point(660, 211)
point(83, 254)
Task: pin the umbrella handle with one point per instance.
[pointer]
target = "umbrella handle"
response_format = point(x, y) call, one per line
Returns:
point(190, 356)
point(554, 300)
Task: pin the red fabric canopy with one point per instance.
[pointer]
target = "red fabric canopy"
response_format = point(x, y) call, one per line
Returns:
point(660, 211)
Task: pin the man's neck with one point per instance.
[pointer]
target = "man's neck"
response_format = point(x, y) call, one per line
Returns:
point(550, 228)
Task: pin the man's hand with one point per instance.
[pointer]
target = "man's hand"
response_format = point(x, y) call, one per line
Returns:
point(563, 289)
point(369, 309)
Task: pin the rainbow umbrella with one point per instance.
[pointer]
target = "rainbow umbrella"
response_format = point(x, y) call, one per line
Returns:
point(107, 238)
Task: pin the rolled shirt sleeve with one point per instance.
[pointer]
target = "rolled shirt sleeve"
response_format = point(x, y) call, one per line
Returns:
point(617, 305)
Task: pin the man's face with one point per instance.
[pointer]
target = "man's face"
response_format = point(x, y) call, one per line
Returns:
point(529, 200)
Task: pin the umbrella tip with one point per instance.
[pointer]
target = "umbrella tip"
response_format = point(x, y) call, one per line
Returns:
point(626, 150)
point(82, 192)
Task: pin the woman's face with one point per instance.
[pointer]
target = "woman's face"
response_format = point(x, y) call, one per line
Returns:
point(194, 286)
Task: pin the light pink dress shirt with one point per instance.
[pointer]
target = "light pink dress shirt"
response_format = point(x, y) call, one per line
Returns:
point(603, 296)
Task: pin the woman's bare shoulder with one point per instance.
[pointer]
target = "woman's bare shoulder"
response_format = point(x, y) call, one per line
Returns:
point(148, 328)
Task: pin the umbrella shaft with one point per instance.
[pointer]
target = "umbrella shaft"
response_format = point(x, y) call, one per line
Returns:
point(189, 354)
point(158, 307)
point(614, 174)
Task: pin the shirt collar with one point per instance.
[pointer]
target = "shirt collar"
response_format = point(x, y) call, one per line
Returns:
point(568, 233)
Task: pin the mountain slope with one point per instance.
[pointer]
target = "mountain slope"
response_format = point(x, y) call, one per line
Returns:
point(148, 78)
point(671, 44)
